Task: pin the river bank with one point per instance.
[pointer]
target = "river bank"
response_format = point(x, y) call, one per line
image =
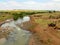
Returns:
point(42, 33)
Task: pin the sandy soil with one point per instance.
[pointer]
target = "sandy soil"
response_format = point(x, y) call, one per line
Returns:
point(44, 36)
point(2, 41)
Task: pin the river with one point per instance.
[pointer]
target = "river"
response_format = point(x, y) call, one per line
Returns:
point(18, 36)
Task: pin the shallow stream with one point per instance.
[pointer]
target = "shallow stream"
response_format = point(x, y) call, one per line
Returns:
point(18, 36)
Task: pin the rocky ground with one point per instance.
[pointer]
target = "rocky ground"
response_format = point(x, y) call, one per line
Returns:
point(4, 32)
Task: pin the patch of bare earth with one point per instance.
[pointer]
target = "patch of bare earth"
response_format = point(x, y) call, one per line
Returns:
point(44, 36)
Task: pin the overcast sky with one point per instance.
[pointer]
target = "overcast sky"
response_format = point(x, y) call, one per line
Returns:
point(30, 4)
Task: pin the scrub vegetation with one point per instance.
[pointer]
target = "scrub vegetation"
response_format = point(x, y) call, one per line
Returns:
point(20, 13)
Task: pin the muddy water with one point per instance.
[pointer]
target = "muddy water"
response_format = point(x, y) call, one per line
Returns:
point(18, 36)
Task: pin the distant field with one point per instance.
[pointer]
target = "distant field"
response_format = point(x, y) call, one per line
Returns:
point(15, 14)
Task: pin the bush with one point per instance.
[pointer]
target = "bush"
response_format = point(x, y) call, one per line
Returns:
point(50, 11)
point(52, 17)
point(51, 25)
point(54, 11)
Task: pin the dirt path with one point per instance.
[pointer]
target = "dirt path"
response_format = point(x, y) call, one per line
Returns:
point(46, 36)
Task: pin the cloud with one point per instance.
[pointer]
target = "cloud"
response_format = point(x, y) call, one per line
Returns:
point(56, 0)
point(9, 5)
point(29, 5)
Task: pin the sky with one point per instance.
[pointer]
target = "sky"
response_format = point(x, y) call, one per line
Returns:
point(30, 4)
